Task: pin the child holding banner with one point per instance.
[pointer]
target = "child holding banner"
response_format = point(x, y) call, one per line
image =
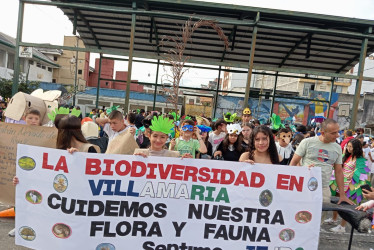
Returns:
point(261, 147)
point(186, 144)
point(160, 129)
point(70, 135)
point(231, 147)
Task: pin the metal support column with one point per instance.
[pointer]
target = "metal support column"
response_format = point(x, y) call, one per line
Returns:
point(16, 55)
point(98, 83)
point(131, 49)
point(330, 96)
point(360, 74)
point(216, 95)
point(273, 94)
point(76, 73)
point(155, 93)
point(251, 57)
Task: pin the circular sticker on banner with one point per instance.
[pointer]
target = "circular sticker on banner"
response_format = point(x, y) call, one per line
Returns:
point(26, 163)
point(60, 183)
point(287, 235)
point(299, 248)
point(27, 233)
point(61, 230)
point(105, 246)
point(266, 198)
point(34, 197)
point(312, 184)
point(303, 217)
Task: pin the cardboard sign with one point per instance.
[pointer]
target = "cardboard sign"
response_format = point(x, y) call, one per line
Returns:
point(123, 144)
point(10, 136)
point(100, 201)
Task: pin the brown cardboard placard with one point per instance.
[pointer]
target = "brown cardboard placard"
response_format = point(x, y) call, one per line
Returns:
point(11, 135)
point(123, 144)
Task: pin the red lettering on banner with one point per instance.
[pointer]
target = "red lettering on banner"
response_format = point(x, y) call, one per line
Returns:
point(93, 166)
point(204, 172)
point(242, 179)
point(61, 164)
point(108, 169)
point(230, 174)
point(152, 167)
point(135, 165)
point(177, 172)
point(190, 171)
point(127, 168)
point(164, 172)
point(45, 162)
point(261, 181)
point(289, 182)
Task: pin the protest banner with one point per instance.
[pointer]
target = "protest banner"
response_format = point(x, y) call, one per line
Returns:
point(98, 201)
point(10, 136)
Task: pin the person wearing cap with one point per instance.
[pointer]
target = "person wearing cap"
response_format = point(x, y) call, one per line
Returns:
point(231, 148)
point(246, 116)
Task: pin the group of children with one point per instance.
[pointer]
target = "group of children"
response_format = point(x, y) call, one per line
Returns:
point(166, 136)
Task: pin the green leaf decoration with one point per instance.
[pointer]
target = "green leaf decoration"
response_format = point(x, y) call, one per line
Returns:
point(187, 117)
point(276, 122)
point(228, 117)
point(176, 117)
point(63, 111)
point(109, 110)
point(162, 124)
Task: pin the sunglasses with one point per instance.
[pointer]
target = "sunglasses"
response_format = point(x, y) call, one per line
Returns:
point(187, 128)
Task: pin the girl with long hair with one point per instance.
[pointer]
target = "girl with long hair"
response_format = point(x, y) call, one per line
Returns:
point(231, 147)
point(353, 165)
point(70, 136)
point(261, 147)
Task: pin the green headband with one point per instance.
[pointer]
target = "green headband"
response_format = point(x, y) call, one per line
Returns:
point(63, 111)
point(161, 124)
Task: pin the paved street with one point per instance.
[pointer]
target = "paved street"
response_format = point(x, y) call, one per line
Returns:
point(329, 241)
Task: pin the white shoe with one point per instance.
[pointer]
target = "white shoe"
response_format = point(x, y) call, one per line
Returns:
point(330, 221)
point(338, 229)
point(12, 232)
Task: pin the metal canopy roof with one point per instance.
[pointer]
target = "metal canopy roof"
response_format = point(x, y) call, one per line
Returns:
point(285, 39)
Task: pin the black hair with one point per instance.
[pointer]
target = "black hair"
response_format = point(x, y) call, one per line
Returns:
point(218, 123)
point(115, 114)
point(357, 150)
point(272, 150)
point(131, 117)
point(237, 145)
point(301, 129)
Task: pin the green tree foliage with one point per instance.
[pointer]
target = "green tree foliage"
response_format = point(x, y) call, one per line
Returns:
point(6, 87)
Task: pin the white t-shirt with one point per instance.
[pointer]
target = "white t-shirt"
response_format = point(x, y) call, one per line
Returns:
point(367, 157)
point(111, 134)
point(215, 140)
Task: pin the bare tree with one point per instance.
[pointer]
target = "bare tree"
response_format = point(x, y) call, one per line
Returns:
point(175, 59)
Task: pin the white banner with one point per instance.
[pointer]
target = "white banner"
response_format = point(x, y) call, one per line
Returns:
point(98, 201)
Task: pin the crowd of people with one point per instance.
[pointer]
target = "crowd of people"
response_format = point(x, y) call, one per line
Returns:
point(242, 139)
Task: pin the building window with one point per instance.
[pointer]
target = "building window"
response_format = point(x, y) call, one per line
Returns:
point(106, 83)
point(79, 71)
point(43, 67)
point(54, 80)
point(55, 58)
point(49, 69)
point(337, 89)
point(31, 62)
point(38, 65)
point(307, 88)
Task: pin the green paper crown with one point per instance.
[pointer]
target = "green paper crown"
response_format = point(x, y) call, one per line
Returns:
point(109, 110)
point(276, 122)
point(228, 117)
point(63, 111)
point(176, 117)
point(162, 124)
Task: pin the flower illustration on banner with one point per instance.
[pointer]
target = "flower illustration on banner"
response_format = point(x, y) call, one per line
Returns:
point(26, 163)
point(60, 183)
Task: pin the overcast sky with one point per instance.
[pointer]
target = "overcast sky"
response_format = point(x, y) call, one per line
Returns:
point(45, 24)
